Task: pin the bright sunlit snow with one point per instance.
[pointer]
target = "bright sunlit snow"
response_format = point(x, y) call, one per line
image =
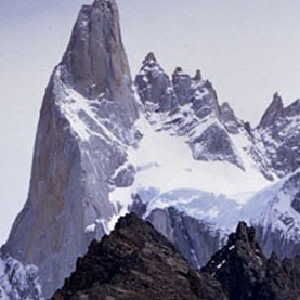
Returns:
point(164, 163)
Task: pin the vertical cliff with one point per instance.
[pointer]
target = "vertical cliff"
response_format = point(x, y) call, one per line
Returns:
point(85, 126)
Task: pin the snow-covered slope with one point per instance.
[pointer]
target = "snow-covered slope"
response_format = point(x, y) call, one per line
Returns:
point(192, 144)
point(164, 163)
point(275, 211)
point(189, 107)
point(198, 158)
point(18, 282)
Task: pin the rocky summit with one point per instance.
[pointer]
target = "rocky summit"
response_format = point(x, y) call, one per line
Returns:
point(189, 106)
point(280, 134)
point(85, 125)
point(246, 274)
point(136, 262)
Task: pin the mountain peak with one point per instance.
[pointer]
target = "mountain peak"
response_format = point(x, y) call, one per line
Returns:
point(198, 76)
point(293, 109)
point(279, 130)
point(274, 110)
point(95, 59)
point(277, 101)
point(136, 262)
point(246, 274)
point(243, 232)
point(150, 58)
point(178, 70)
point(85, 125)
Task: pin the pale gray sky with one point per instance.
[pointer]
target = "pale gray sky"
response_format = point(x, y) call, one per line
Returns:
point(248, 49)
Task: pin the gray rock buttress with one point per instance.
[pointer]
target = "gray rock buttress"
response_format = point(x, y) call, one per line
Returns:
point(85, 124)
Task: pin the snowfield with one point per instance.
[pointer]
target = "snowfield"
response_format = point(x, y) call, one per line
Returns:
point(214, 191)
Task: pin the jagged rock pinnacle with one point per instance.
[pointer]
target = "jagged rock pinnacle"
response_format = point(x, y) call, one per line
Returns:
point(62, 200)
point(197, 76)
point(95, 58)
point(150, 58)
point(246, 274)
point(178, 70)
point(273, 111)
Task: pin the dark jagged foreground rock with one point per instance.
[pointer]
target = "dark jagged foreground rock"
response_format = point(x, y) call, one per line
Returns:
point(86, 123)
point(246, 274)
point(136, 262)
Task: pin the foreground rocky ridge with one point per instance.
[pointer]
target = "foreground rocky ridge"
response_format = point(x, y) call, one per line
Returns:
point(136, 262)
point(245, 273)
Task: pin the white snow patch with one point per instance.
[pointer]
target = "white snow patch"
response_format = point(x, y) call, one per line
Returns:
point(219, 266)
point(18, 281)
point(77, 108)
point(172, 157)
point(161, 161)
point(90, 228)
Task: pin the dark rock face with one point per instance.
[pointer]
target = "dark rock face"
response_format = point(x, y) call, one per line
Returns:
point(86, 122)
point(138, 207)
point(215, 142)
point(230, 120)
point(182, 85)
point(154, 85)
point(245, 273)
point(95, 60)
point(136, 262)
point(95, 57)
